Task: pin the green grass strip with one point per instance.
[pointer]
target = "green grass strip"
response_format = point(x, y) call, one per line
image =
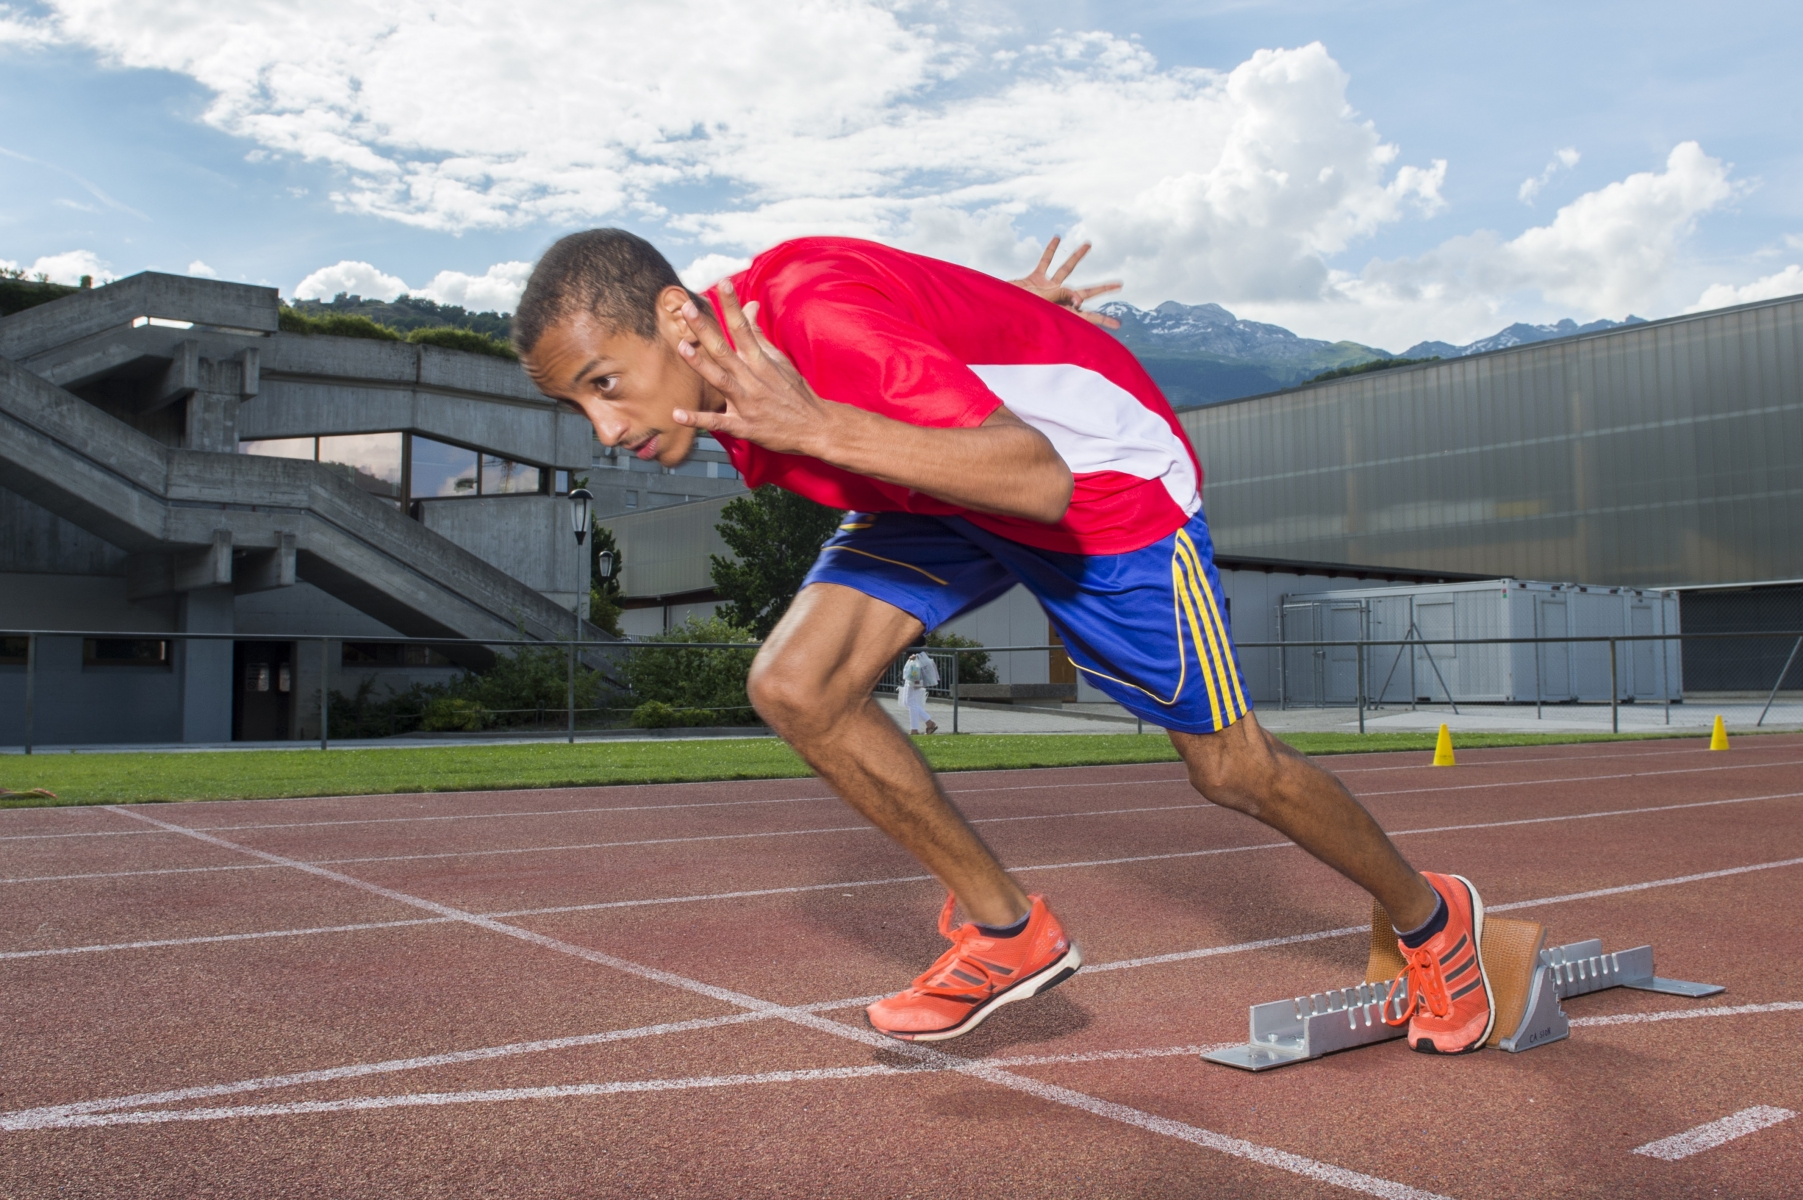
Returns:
point(266, 774)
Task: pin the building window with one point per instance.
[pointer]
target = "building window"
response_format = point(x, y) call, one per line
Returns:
point(13, 651)
point(503, 477)
point(388, 654)
point(632, 499)
point(440, 469)
point(372, 461)
point(124, 652)
point(281, 447)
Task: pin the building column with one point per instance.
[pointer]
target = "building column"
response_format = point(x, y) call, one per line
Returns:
point(205, 667)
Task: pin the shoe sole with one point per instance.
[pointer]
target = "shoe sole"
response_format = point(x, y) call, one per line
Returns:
point(1426, 1046)
point(1033, 985)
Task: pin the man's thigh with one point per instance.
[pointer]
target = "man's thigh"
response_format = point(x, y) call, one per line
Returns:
point(880, 581)
point(1148, 627)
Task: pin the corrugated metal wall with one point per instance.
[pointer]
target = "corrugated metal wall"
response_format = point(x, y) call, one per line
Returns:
point(1666, 453)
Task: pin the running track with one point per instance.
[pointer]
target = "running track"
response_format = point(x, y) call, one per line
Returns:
point(655, 991)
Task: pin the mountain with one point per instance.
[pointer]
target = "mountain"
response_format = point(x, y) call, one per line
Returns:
point(1517, 334)
point(1203, 354)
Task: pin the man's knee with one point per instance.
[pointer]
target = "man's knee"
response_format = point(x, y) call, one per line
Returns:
point(1233, 768)
point(790, 696)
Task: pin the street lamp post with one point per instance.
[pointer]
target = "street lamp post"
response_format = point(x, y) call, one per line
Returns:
point(579, 503)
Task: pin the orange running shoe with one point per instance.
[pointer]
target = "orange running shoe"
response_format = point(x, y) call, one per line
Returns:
point(1448, 1005)
point(978, 975)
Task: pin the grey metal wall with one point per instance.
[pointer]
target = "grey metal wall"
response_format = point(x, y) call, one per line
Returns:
point(1669, 453)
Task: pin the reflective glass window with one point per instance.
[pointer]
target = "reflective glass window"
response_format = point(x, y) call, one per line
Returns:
point(503, 477)
point(278, 447)
point(370, 460)
point(442, 470)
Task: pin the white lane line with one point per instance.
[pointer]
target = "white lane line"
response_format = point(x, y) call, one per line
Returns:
point(1395, 833)
point(1571, 758)
point(751, 893)
point(1641, 887)
point(51, 1116)
point(627, 808)
point(1514, 783)
point(1236, 1147)
point(46, 1117)
point(33, 837)
point(1691, 1014)
point(725, 837)
point(1715, 1133)
point(129, 874)
point(160, 943)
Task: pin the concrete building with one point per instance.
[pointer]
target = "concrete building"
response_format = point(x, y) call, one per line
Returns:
point(170, 461)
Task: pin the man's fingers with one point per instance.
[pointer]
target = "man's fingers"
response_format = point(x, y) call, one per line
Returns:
point(746, 338)
point(1070, 264)
point(1102, 319)
point(720, 369)
point(1083, 294)
point(708, 422)
point(764, 343)
point(1045, 260)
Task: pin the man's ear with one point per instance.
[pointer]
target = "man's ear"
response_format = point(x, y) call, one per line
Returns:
point(670, 325)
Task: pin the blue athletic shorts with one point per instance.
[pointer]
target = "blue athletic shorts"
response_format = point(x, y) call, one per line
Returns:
point(1149, 628)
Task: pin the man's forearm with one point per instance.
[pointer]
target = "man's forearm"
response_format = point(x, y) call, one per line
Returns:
point(1003, 466)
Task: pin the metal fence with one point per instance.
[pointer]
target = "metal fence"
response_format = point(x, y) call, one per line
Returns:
point(608, 669)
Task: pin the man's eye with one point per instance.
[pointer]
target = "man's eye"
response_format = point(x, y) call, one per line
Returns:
point(606, 384)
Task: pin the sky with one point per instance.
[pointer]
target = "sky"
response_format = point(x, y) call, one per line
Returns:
point(1386, 172)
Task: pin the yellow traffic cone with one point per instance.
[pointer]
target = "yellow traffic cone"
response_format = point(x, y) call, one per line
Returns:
point(1718, 737)
point(1443, 748)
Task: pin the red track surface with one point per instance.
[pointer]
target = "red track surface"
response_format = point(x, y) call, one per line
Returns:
point(162, 967)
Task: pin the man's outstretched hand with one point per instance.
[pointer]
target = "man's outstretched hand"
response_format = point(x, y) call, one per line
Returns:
point(1052, 287)
point(767, 400)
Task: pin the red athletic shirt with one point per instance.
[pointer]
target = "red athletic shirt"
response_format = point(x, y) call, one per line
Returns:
point(938, 345)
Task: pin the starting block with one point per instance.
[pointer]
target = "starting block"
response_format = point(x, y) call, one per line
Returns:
point(1527, 981)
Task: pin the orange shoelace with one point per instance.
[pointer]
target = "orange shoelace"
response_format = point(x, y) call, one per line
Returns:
point(957, 974)
point(1423, 984)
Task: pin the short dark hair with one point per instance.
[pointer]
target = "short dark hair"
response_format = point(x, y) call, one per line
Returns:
point(611, 273)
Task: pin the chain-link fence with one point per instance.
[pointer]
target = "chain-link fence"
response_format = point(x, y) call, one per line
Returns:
point(105, 687)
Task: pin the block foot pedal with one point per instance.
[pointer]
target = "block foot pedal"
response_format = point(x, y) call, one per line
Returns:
point(1526, 984)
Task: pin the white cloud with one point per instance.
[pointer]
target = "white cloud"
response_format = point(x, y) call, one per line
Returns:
point(202, 270)
point(498, 289)
point(710, 269)
point(354, 278)
point(1606, 254)
point(1567, 158)
point(16, 29)
point(1788, 282)
point(732, 124)
point(66, 268)
point(849, 116)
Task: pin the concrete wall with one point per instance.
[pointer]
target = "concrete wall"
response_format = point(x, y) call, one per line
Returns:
point(529, 537)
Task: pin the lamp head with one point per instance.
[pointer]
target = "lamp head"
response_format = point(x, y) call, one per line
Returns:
point(579, 503)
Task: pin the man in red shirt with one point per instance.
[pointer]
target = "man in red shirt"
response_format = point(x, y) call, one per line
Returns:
point(977, 437)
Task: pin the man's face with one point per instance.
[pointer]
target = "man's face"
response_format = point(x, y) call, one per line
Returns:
point(625, 384)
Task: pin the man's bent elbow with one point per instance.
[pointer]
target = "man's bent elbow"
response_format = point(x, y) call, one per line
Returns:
point(1052, 499)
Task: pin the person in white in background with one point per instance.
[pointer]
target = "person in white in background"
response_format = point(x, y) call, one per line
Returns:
point(918, 674)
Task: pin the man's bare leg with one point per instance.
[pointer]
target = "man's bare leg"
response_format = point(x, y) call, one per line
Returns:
point(812, 682)
point(1245, 768)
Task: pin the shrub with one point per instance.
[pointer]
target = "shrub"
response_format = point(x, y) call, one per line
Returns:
point(695, 679)
point(334, 325)
point(449, 714)
point(655, 714)
point(453, 338)
point(973, 667)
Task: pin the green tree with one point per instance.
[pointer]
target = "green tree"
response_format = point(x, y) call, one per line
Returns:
point(604, 594)
point(775, 536)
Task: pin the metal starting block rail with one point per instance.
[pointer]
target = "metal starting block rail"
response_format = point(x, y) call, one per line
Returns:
point(1527, 1001)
